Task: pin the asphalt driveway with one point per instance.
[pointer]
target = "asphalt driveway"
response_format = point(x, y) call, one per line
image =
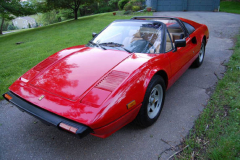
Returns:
point(24, 137)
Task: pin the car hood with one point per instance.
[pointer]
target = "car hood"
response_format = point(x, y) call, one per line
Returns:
point(72, 75)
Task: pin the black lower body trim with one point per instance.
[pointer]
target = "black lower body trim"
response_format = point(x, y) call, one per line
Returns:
point(46, 116)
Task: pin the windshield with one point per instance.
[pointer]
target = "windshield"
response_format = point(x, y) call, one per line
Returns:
point(132, 36)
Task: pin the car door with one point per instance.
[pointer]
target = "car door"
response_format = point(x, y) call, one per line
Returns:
point(180, 58)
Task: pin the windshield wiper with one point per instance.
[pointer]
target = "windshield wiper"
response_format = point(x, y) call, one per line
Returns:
point(126, 49)
point(98, 45)
point(115, 45)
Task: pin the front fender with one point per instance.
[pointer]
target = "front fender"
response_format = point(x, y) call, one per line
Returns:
point(141, 70)
point(159, 66)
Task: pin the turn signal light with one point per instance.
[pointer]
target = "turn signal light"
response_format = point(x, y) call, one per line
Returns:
point(68, 128)
point(7, 97)
point(131, 104)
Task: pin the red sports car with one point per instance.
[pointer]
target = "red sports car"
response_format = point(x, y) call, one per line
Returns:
point(120, 76)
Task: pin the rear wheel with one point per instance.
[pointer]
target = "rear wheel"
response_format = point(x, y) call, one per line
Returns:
point(198, 62)
point(153, 102)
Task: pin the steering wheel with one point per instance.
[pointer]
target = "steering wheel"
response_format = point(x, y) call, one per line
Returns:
point(146, 42)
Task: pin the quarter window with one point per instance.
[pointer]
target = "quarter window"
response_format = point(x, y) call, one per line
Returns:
point(169, 45)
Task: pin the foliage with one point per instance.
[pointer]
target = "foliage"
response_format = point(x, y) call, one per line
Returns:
point(128, 6)
point(48, 18)
point(102, 6)
point(103, 10)
point(113, 4)
point(122, 3)
point(5, 25)
point(88, 9)
point(11, 27)
point(136, 8)
point(136, 3)
point(11, 8)
point(53, 16)
point(66, 14)
point(216, 134)
point(40, 6)
point(68, 4)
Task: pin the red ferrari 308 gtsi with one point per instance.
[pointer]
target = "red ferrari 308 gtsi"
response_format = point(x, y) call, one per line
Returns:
point(120, 76)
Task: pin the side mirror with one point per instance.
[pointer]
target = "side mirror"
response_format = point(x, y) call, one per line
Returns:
point(179, 43)
point(94, 34)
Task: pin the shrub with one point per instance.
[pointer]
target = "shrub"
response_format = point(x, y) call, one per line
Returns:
point(65, 14)
point(136, 2)
point(105, 9)
point(128, 6)
point(127, 12)
point(122, 3)
point(113, 4)
point(11, 27)
point(136, 8)
point(5, 26)
point(134, 5)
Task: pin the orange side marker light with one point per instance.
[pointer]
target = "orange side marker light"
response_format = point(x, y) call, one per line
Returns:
point(131, 104)
point(7, 97)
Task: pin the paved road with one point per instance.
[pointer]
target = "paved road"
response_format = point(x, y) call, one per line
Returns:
point(24, 137)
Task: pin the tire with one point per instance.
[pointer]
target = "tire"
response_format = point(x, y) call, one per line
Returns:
point(152, 103)
point(198, 62)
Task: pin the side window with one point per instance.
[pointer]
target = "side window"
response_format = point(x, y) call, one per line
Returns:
point(169, 44)
point(189, 27)
point(175, 30)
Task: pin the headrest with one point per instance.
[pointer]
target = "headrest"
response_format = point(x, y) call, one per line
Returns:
point(137, 35)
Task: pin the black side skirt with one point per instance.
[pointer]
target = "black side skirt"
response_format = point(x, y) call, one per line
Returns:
point(46, 116)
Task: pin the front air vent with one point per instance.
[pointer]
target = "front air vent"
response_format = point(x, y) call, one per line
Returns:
point(44, 64)
point(112, 81)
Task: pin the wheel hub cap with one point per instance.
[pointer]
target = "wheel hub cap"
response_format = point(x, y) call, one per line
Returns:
point(201, 53)
point(155, 101)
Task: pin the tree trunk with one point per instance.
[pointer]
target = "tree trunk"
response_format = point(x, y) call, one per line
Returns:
point(2, 25)
point(75, 14)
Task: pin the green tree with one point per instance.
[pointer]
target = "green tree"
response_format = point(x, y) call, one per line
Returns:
point(68, 4)
point(11, 8)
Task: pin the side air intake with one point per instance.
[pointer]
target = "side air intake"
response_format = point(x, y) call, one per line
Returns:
point(44, 64)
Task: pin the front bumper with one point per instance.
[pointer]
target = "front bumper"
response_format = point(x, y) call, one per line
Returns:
point(46, 116)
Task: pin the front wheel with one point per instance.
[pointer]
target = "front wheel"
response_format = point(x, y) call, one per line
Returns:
point(198, 62)
point(153, 102)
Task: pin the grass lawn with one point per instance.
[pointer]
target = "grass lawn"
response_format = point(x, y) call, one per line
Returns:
point(39, 43)
point(230, 7)
point(216, 134)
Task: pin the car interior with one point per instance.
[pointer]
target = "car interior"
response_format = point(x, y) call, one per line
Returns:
point(147, 39)
point(174, 29)
point(175, 32)
point(147, 35)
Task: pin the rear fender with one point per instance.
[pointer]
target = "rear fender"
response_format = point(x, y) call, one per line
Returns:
point(204, 33)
